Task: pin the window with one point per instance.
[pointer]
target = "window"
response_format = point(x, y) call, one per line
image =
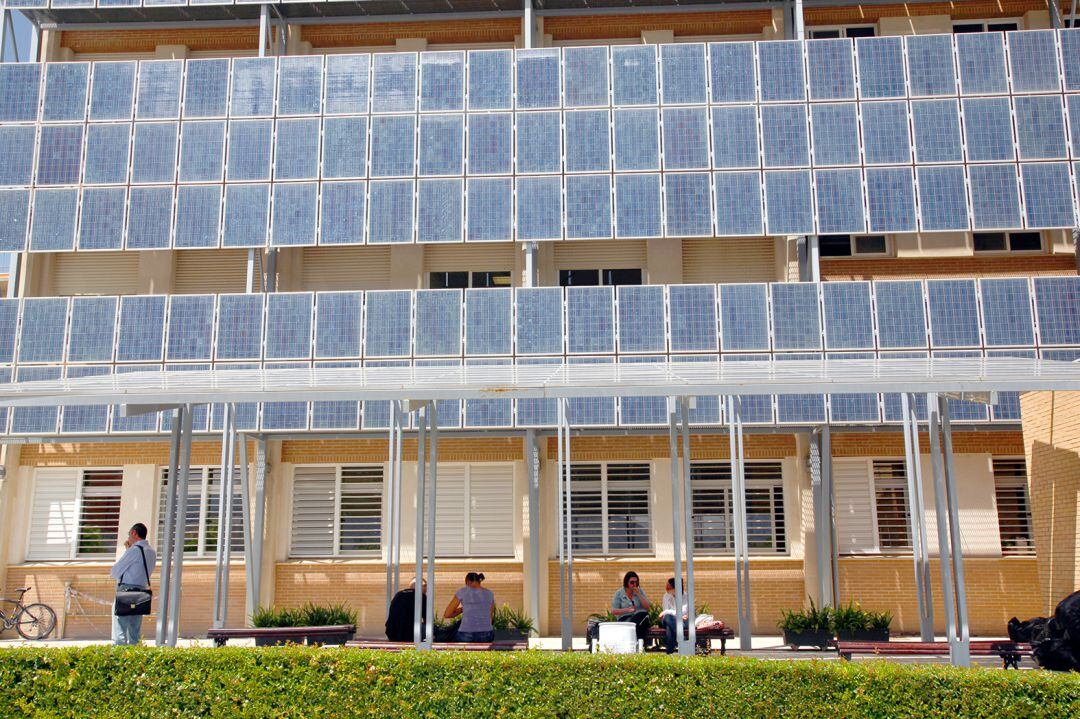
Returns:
point(890, 504)
point(850, 245)
point(581, 278)
point(825, 33)
point(337, 511)
point(464, 280)
point(75, 513)
point(201, 511)
point(474, 513)
point(713, 510)
point(985, 26)
point(610, 508)
point(1013, 509)
point(1007, 241)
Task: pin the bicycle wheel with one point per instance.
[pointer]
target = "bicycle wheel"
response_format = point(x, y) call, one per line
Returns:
point(36, 621)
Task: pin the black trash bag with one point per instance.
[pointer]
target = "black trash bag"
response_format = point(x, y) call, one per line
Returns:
point(1056, 654)
point(1033, 630)
point(1067, 617)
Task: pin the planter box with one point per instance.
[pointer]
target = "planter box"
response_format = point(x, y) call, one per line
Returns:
point(864, 635)
point(506, 635)
point(330, 639)
point(273, 642)
point(819, 640)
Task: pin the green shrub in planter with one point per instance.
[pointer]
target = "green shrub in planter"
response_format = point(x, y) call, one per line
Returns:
point(851, 623)
point(807, 627)
point(509, 623)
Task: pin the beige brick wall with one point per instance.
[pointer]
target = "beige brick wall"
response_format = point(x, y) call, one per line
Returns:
point(451, 449)
point(115, 454)
point(891, 444)
point(918, 268)
point(596, 448)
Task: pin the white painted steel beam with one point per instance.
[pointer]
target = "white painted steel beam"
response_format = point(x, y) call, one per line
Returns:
point(169, 530)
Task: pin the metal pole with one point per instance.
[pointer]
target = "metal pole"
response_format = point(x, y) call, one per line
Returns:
point(1071, 22)
point(245, 499)
point(171, 503)
point(5, 21)
point(418, 607)
point(820, 446)
point(1055, 14)
point(264, 20)
point(433, 470)
point(942, 511)
point(35, 43)
point(564, 531)
point(738, 497)
point(800, 34)
point(829, 514)
point(183, 468)
point(532, 459)
point(391, 590)
point(527, 23)
point(259, 516)
point(960, 645)
point(676, 516)
point(270, 282)
point(14, 273)
point(227, 501)
point(688, 523)
point(568, 485)
point(398, 439)
point(219, 550)
point(924, 602)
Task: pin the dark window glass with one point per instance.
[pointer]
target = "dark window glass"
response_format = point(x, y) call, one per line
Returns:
point(1001, 27)
point(449, 280)
point(990, 242)
point(834, 245)
point(967, 27)
point(824, 34)
point(860, 32)
point(870, 245)
point(491, 279)
point(1025, 241)
point(622, 277)
point(579, 278)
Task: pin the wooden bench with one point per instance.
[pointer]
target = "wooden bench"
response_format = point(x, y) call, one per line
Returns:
point(282, 634)
point(389, 646)
point(1010, 652)
point(656, 635)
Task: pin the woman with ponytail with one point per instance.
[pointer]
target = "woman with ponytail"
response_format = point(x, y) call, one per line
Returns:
point(476, 606)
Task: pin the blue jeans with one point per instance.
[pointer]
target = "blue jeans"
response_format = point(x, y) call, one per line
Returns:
point(476, 636)
point(126, 630)
point(671, 643)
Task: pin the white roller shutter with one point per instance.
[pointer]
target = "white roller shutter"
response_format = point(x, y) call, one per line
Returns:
point(477, 257)
point(450, 519)
point(854, 508)
point(53, 514)
point(197, 272)
point(491, 510)
point(314, 501)
point(714, 260)
point(600, 255)
point(96, 273)
point(345, 268)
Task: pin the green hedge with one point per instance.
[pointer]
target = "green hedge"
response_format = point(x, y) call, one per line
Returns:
point(132, 683)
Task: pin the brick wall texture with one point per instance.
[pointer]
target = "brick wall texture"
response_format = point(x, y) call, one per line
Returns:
point(918, 268)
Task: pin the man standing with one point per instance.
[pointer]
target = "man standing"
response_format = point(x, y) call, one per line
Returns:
point(132, 572)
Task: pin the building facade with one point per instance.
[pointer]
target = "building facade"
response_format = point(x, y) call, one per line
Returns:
point(329, 184)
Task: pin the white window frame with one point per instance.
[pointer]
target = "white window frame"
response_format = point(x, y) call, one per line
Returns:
point(842, 29)
point(1008, 244)
point(605, 528)
point(1010, 482)
point(203, 474)
point(855, 255)
point(467, 539)
point(77, 518)
point(990, 21)
point(780, 545)
point(336, 551)
point(895, 483)
point(509, 277)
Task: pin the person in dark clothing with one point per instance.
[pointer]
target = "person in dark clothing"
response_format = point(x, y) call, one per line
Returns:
point(399, 621)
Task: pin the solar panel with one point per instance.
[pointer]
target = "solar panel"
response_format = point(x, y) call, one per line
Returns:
point(250, 145)
point(206, 91)
point(300, 85)
point(296, 207)
point(849, 323)
point(835, 133)
point(890, 199)
point(1040, 127)
point(337, 324)
point(738, 203)
point(346, 84)
point(800, 408)
point(539, 142)
point(491, 83)
point(982, 63)
point(1033, 63)
point(1070, 56)
point(239, 327)
point(1047, 196)
point(682, 74)
point(936, 125)
point(930, 65)
point(449, 410)
point(44, 325)
point(780, 69)
point(642, 411)
point(288, 325)
point(963, 410)
point(103, 214)
point(92, 333)
point(588, 206)
point(537, 412)
point(53, 225)
point(788, 207)
point(853, 408)
point(390, 213)
point(14, 216)
point(988, 129)
point(252, 90)
point(488, 412)
point(784, 136)
point(393, 146)
point(438, 322)
point(336, 415)
point(585, 82)
point(106, 153)
point(942, 198)
point(202, 151)
point(35, 420)
point(539, 208)
point(839, 197)
point(66, 85)
point(442, 81)
point(954, 313)
point(881, 67)
point(637, 206)
point(247, 215)
point(588, 141)
point(886, 133)
point(141, 333)
point(687, 205)
point(1072, 107)
point(279, 416)
point(1007, 408)
point(641, 318)
point(489, 208)
point(995, 197)
point(538, 82)
point(20, 92)
point(200, 414)
point(140, 423)
point(735, 137)
point(488, 321)
point(442, 143)
point(191, 328)
point(731, 70)
point(387, 323)
point(1057, 302)
point(744, 317)
point(9, 323)
point(60, 155)
point(796, 320)
point(112, 91)
point(491, 143)
point(344, 147)
point(17, 145)
point(633, 74)
point(754, 409)
point(901, 314)
point(693, 319)
point(1006, 310)
point(831, 67)
point(246, 414)
point(440, 210)
point(341, 213)
point(686, 138)
point(891, 403)
point(296, 149)
point(593, 411)
point(590, 318)
point(159, 89)
point(706, 410)
point(85, 420)
point(153, 155)
point(538, 320)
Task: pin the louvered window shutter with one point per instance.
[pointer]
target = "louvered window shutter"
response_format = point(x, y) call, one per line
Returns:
point(853, 508)
point(491, 510)
point(361, 509)
point(450, 520)
point(314, 498)
point(53, 514)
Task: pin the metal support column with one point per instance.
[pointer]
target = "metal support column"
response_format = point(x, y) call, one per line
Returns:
point(35, 44)
point(172, 501)
point(821, 483)
point(566, 560)
point(676, 516)
point(738, 494)
point(433, 472)
point(391, 508)
point(527, 23)
point(226, 498)
point(183, 468)
point(798, 27)
point(916, 513)
point(1055, 14)
point(396, 519)
point(421, 477)
point(5, 23)
point(220, 566)
point(532, 469)
point(258, 517)
point(960, 644)
point(14, 274)
point(249, 555)
point(264, 28)
point(688, 528)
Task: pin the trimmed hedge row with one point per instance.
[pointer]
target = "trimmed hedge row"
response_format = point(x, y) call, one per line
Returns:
point(297, 682)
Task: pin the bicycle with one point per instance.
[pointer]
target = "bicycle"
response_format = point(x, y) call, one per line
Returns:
point(31, 621)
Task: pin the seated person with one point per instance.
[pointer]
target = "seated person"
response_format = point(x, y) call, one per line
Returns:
point(668, 619)
point(399, 620)
point(476, 606)
point(631, 605)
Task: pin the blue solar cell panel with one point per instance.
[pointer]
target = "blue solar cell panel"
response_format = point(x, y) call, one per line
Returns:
point(296, 208)
point(637, 140)
point(752, 409)
point(335, 415)
point(831, 73)
point(442, 81)
point(738, 203)
point(342, 213)
point(588, 206)
point(491, 79)
point(988, 129)
point(930, 65)
point(942, 198)
point(53, 225)
point(835, 133)
point(141, 333)
point(735, 137)
point(682, 74)
point(886, 133)
point(103, 215)
point(288, 325)
point(449, 411)
point(585, 81)
point(538, 82)
point(641, 318)
point(252, 91)
point(300, 85)
point(890, 199)
point(995, 197)
point(1072, 107)
point(693, 320)
point(849, 324)
point(239, 327)
point(488, 321)
point(982, 63)
point(1070, 55)
point(954, 313)
point(388, 324)
point(66, 85)
point(744, 317)
point(202, 151)
point(962, 410)
point(44, 325)
point(1006, 308)
point(278, 416)
point(344, 147)
point(85, 420)
point(438, 323)
point(799, 408)
point(153, 154)
point(390, 211)
point(780, 68)
point(442, 144)
point(337, 324)
point(9, 323)
point(881, 67)
point(489, 207)
point(35, 420)
point(250, 146)
point(191, 328)
point(788, 206)
point(1007, 408)
point(686, 138)
point(590, 316)
point(588, 141)
point(93, 330)
point(60, 155)
point(537, 412)
point(539, 142)
point(1048, 200)
point(20, 92)
point(490, 144)
point(853, 408)
point(633, 74)
point(206, 92)
point(592, 412)
point(489, 412)
point(112, 91)
point(731, 70)
point(637, 206)
point(784, 136)
point(539, 208)
point(440, 211)
point(642, 411)
point(901, 314)
point(347, 84)
point(839, 197)
point(1040, 127)
point(393, 146)
point(246, 414)
point(1033, 63)
point(14, 217)
point(687, 205)
point(106, 153)
point(140, 423)
point(936, 125)
point(17, 149)
point(539, 320)
point(796, 318)
point(296, 150)
point(150, 218)
point(159, 89)
point(1057, 301)
point(247, 215)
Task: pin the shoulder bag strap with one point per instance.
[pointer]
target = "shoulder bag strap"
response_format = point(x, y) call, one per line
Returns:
point(145, 568)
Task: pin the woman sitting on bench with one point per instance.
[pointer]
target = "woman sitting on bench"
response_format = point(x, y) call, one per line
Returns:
point(631, 605)
point(476, 606)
